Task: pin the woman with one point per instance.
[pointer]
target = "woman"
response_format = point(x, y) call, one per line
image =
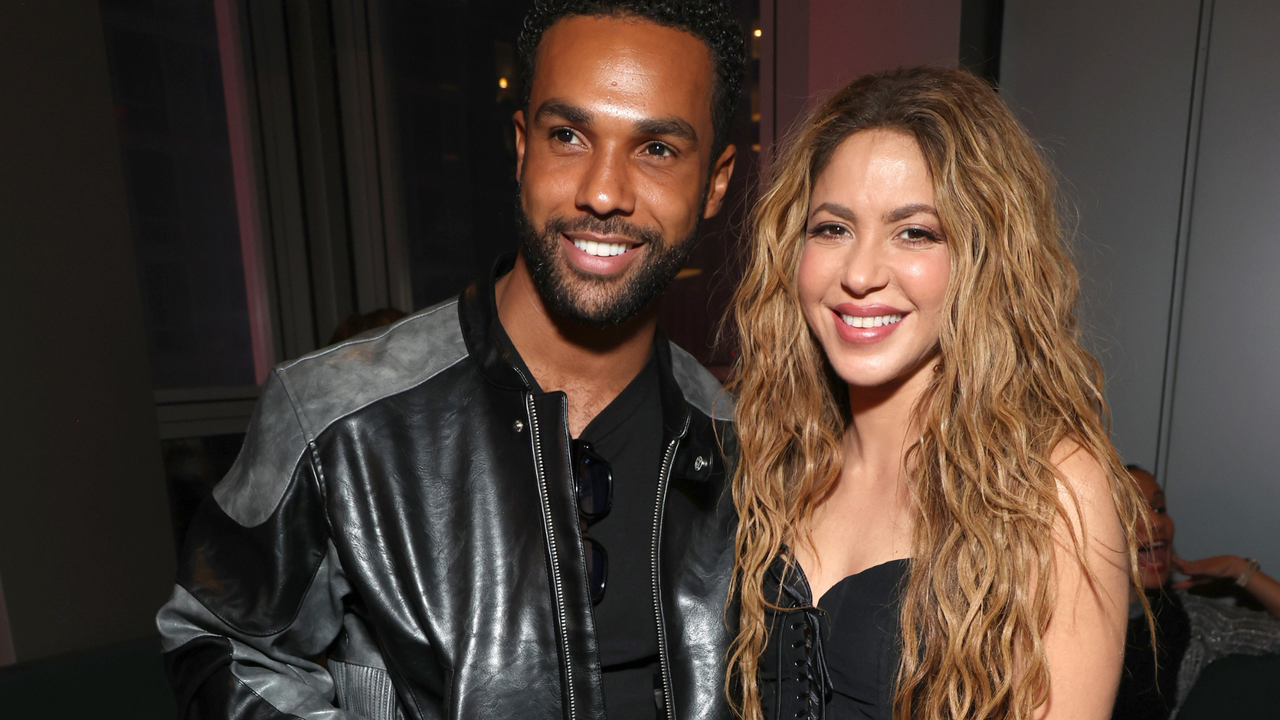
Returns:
point(1191, 631)
point(933, 523)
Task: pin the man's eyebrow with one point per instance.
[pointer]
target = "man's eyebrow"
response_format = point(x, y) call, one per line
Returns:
point(671, 127)
point(906, 211)
point(560, 109)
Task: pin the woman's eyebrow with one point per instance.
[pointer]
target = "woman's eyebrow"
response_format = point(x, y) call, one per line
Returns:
point(840, 211)
point(906, 211)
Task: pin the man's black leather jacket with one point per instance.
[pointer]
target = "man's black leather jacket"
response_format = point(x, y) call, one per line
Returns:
point(399, 539)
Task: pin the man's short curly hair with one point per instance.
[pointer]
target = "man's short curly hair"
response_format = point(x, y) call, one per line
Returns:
point(708, 20)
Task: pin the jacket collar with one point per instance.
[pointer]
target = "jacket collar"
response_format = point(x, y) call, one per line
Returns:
point(675, 411)
point(482, 332)
point(489, 346)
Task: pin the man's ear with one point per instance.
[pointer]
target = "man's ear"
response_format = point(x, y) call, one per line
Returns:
point(721, 171)
point(518, 121)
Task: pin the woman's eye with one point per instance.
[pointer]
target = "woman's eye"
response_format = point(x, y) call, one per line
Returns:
point(828, 230)
point(657, 149)
point(919, 236)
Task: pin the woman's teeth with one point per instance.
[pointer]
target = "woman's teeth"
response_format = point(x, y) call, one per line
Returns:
point(866, 322)
point(600, 249)
point(1152, 555)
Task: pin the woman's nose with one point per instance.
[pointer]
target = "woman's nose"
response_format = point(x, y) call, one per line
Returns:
point(865, 270)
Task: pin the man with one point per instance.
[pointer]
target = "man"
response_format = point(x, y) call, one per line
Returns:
point(513, 504)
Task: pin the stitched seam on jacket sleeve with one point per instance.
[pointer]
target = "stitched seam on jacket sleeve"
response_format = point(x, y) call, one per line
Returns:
point(379, 336)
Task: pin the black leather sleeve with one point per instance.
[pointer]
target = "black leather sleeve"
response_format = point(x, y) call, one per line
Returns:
point(260, 591)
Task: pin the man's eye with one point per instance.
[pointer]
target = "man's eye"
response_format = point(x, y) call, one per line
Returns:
point(564, 135)
point(658, 149)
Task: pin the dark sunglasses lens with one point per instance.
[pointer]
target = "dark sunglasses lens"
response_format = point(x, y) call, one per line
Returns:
point(595, 483)
point(597, 568)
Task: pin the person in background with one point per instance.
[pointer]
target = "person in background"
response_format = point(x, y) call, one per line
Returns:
point(512, 504)
point(355, 323)
point(933, 522)
point(1191, 631)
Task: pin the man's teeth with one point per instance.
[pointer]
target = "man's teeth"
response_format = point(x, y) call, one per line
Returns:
point(600, 249)
point(866, 322)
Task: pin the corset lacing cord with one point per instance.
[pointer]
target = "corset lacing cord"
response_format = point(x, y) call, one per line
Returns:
point(816, 670)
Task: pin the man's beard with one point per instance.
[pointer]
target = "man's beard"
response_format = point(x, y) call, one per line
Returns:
point(589, 299)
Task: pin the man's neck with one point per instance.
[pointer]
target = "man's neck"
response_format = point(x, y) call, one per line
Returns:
point(591, 365)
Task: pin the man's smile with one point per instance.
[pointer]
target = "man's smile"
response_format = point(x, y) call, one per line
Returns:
point(595, 254)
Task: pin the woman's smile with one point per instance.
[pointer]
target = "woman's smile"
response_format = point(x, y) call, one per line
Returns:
point(869, 324)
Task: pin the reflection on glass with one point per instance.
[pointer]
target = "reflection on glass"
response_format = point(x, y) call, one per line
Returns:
point(169, 100)
point(455, 88)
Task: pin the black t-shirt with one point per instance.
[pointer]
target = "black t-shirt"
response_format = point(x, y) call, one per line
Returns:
point(628, 433)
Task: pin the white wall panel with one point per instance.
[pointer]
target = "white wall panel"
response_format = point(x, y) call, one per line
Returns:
point(1222, 477)
point(1106, 87)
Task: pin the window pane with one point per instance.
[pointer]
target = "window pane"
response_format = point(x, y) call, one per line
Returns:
point(192, 466)
point(449, 61)
point(173, 128)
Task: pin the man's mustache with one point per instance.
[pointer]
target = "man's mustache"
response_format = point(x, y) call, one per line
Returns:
point(611, 226)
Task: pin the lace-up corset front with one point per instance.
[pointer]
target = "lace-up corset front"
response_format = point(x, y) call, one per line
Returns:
point(837, 659)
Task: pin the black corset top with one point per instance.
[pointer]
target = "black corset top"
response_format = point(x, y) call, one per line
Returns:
point(838, 660)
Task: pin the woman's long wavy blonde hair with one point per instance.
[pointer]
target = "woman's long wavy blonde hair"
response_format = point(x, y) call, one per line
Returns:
point(1012, 383)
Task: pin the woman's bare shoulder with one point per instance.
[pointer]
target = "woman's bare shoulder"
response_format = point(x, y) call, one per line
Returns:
point(1082, 473)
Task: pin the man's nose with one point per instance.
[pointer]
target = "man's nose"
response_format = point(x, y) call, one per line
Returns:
point(605, 188)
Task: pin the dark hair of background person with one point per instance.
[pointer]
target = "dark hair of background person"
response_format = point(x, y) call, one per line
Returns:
point(355, 323)
point(708, 20)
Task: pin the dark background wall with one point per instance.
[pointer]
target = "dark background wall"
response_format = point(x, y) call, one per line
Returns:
point(85, 549)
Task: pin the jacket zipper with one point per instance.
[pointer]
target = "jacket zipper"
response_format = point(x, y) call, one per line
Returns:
point(657, 589)
point(555, 558)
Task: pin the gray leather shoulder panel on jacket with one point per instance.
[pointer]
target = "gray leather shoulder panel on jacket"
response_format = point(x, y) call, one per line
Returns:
point(700, 388)
point(338, 381)
point(301, 398)
point(272, 447)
